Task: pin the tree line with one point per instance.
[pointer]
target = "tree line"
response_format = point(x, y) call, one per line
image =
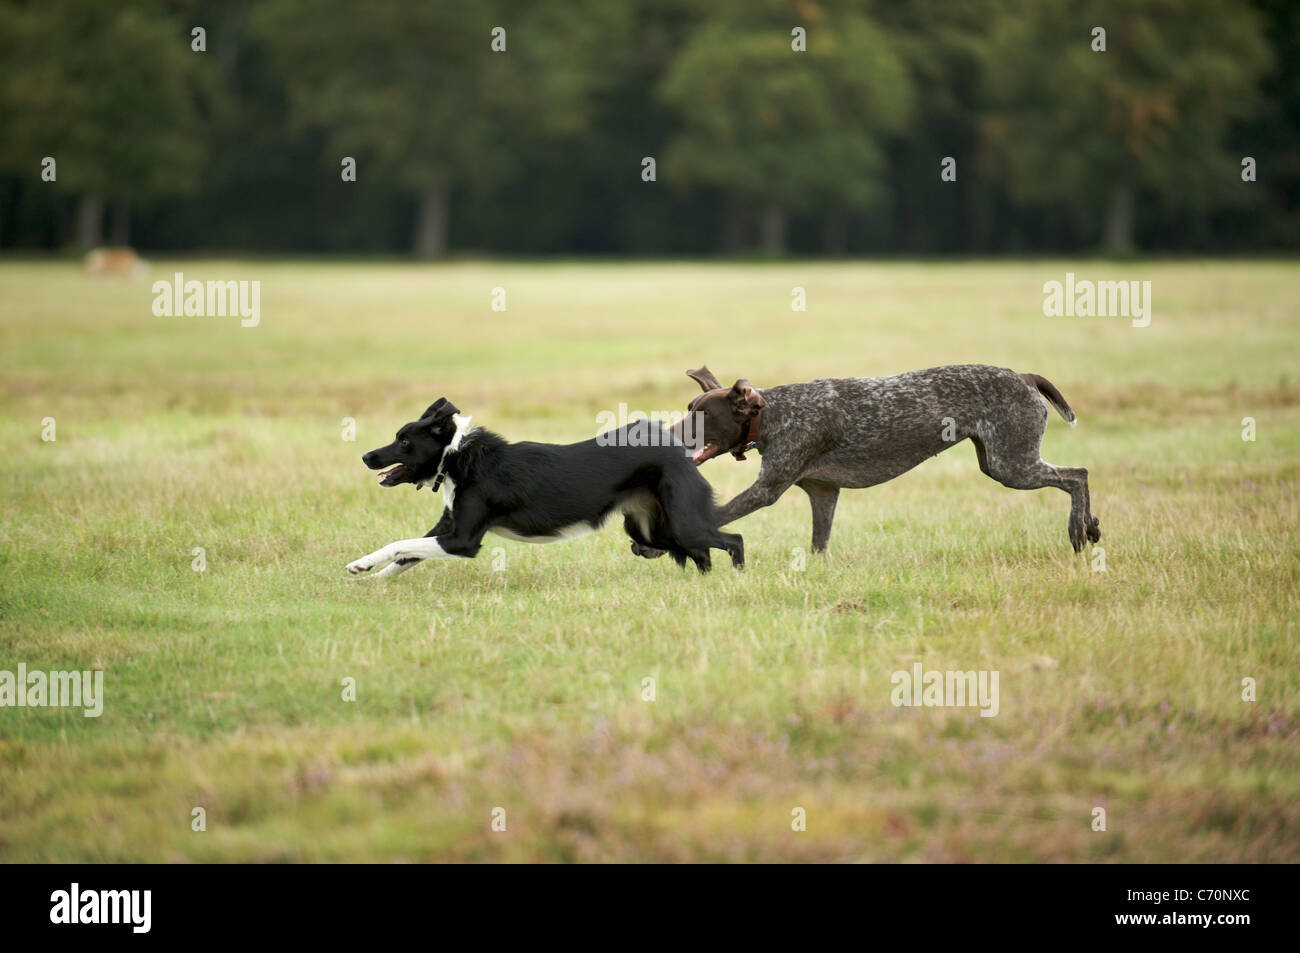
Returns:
point(651, 127)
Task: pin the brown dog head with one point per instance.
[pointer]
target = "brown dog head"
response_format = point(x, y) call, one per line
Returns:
point(720, 417)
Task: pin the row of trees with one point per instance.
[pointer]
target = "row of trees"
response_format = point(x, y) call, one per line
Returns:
point(523, 125)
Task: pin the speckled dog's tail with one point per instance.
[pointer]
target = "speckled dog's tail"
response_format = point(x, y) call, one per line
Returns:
point(1051, 394)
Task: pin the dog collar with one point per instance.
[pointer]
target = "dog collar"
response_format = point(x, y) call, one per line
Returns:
point(462, 426)
point(751, 436)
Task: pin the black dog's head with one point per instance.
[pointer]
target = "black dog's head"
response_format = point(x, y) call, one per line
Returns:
point(416, 453)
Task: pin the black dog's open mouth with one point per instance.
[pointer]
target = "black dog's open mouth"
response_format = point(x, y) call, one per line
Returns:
point(394, 476)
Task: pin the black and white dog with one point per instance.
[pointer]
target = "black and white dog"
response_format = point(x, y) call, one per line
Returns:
point(543, 493)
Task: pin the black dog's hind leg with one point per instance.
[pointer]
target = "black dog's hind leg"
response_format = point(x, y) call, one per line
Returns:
point(734, 544)
point(691, 520)
point(655, 545)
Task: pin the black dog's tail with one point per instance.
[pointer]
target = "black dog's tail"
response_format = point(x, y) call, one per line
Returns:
point(1052, 395)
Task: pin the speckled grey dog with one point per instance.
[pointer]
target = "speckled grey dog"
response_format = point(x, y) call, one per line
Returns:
point(856, 432)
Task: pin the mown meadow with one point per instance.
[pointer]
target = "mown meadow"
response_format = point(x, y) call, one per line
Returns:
point(616, 709)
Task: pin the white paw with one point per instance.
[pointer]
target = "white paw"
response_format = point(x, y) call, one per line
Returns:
point(392, 569)
point(380, 557)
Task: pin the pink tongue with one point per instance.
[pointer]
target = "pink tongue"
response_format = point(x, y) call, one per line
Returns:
point(389, 472)
point(695, 457)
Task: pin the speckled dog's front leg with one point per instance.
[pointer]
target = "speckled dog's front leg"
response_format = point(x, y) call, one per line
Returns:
point(763, 493)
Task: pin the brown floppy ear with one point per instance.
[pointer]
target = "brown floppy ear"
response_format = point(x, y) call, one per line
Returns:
point(704, 377)
point(745, 400)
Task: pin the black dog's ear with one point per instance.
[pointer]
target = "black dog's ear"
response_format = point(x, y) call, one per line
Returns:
point(438, 413)
point(704, 377)
point(440, 409)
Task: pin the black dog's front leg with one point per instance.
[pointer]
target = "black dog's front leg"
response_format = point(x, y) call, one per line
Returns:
point(444, 525)
point(460, 535)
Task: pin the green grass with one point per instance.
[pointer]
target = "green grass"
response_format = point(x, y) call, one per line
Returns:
point(520, 687)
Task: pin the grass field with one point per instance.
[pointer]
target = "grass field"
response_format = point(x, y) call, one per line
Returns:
point(515, 680)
